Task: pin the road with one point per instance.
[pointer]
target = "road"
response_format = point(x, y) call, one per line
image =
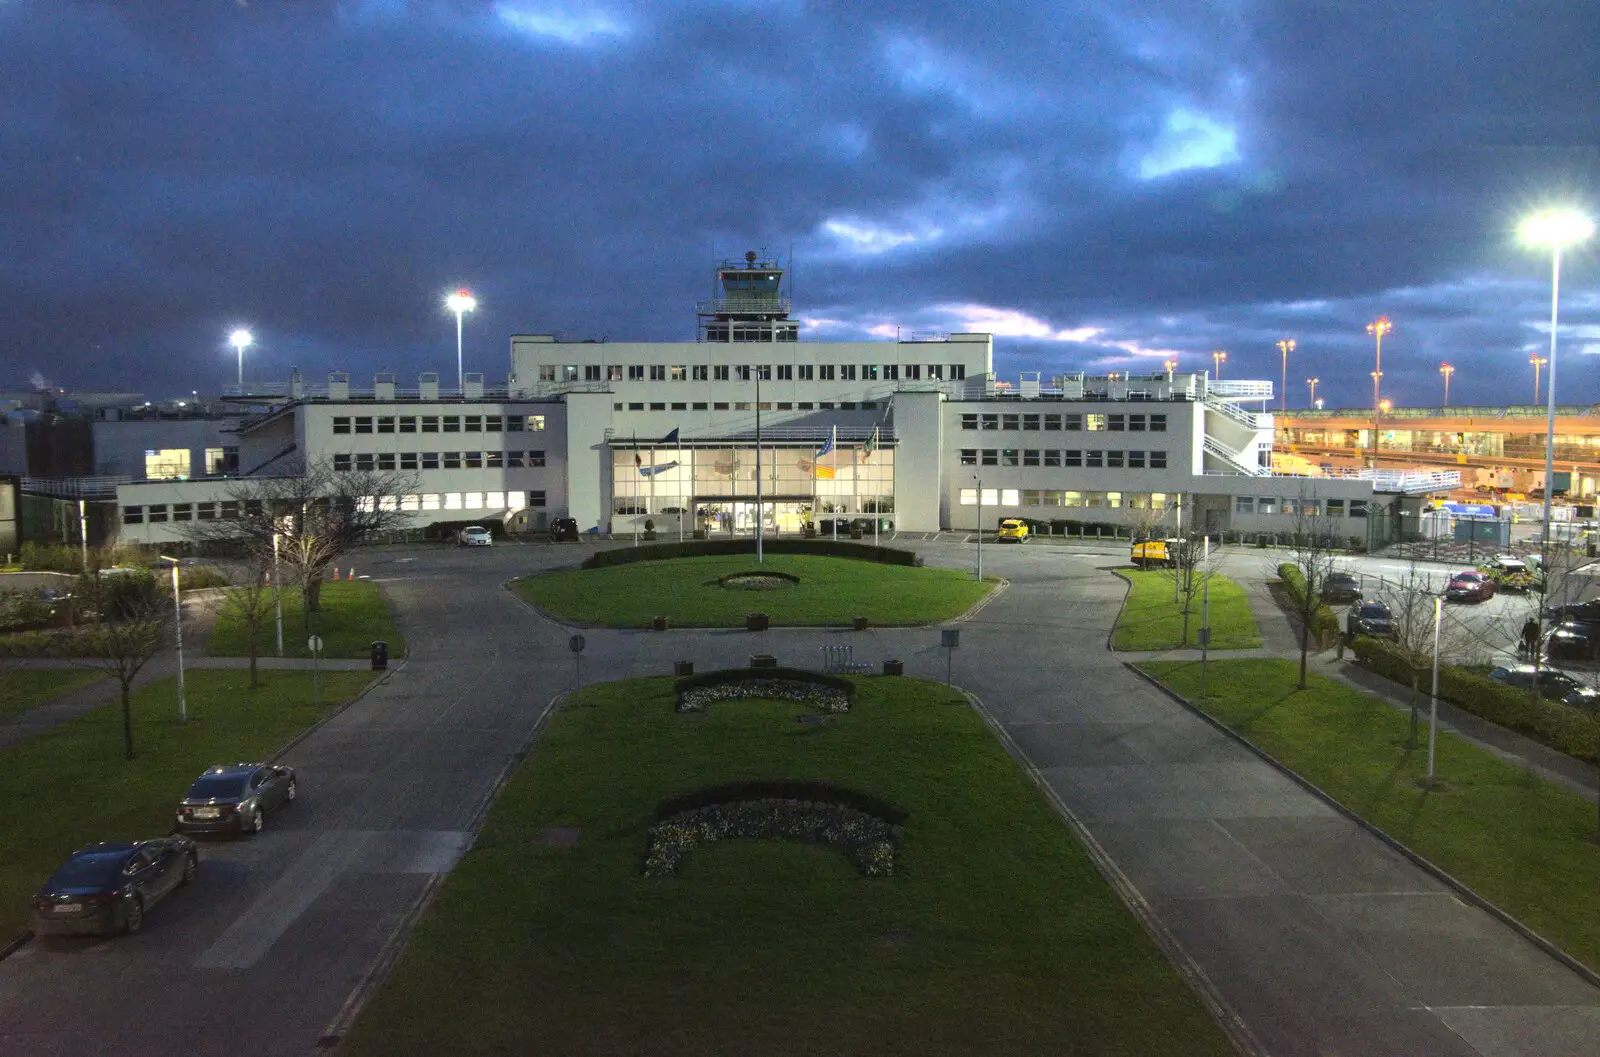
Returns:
point(1319, 937)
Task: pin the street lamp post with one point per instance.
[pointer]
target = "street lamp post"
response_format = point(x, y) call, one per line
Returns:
point(1377, 328)
point(277, 594)
point(1218, 358)
point(1377, 427)
point(1447, 370)
point(1537, 361)
point(760, 560)
point(177, 621)
point(1312, 383)
point(979, 480)
point(1171, 364)
point(1286, 346)
point(240, 339)
point(461, 302)
point(1554, 229)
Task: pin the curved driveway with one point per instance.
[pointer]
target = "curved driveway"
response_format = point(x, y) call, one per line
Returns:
point(1316, 934)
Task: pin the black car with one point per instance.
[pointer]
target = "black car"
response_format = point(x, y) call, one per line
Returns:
point(1572, 640)
point(106, 888)
point(563, 528)
point(1369, 618)
point(1341, 587)
point(1553, 684)
point(234, 798)
point(1587, 612)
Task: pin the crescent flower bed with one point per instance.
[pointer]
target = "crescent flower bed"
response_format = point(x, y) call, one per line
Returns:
point(820, 696)
point(868, 839)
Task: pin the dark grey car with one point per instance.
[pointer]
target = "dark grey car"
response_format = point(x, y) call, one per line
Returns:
point(235, 798)
point(1369, 618)
point(106, 888)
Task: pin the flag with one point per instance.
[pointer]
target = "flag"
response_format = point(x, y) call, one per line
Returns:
point(658, 468)
point(827, 446)
point(872, 445)
point(824, 473)
point(670, 438)
point(637, 459)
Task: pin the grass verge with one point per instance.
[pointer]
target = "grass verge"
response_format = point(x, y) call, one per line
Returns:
point(1521, 842)
point(353, 614)
point(72, 785)
point(1151, 620)
point(995, 935)
point(831, 591)
point(26, 688)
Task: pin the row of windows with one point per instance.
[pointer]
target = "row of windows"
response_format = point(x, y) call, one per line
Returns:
point(436, 460)
point(1026, 497)
point(1249, 504)
point(746, 405)
point(745, 372)
point(157, 513)
point(437, 423)
point(1089, 459)
point(1094, 423)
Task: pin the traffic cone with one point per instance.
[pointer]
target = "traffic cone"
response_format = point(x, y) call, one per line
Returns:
point(352, 575)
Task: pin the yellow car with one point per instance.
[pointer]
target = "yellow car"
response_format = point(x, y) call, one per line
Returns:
point(1012, 530)
point(1148, 554)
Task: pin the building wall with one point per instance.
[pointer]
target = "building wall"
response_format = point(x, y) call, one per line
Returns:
point(120, 445)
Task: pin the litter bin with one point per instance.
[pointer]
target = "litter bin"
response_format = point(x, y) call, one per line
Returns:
point(380, 655)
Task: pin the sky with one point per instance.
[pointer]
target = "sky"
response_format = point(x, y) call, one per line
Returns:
point(1100, 185)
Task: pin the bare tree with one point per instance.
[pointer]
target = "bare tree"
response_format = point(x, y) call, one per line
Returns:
point(248, 596)
point(1413, 601)
point(315, 515)
point(1313, 556)
point(133, 622)
point(1186, 569)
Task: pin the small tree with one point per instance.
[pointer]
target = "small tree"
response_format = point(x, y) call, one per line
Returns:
point(1411, 600)
point(1313, 555)
point(249, 596)
point(133, 622)
point(1186, 569)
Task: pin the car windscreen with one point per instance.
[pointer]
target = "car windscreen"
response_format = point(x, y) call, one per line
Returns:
point(217, 787)
point(1373, 611)
point(88, 870)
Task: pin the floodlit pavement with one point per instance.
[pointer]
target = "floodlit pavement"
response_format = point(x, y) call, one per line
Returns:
point(1319, 937)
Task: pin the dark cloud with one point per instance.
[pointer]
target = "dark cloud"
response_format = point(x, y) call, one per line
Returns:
point(325, 171)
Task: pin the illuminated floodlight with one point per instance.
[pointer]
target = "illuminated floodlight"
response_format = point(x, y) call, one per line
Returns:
point(1555, 228)
point(461, 302)
point(240, 339)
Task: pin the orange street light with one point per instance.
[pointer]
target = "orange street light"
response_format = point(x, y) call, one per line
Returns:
point(1219, 358)
point(1286, 346)
point(1538, 363)
point(1447, 370)
point(1312, 382)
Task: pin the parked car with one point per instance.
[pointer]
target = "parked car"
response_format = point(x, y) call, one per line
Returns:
point(475, 536)
point(1554, 684)
point(1012, 530)
point(106, 888)
point(1572, 640)
point(1469, 587)
point(1341, 587)
point(1369, 618)
point(1584, 612)
point(234, 798)
point(563, 528)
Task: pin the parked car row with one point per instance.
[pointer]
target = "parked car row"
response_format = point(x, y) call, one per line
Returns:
point(107, 887)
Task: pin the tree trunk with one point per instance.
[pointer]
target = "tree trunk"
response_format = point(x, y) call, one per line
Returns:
point(313, 596)
point(127, 719)
point(1305, 644)
point(255, 680)
point(1184, 639)
point(1412, 742)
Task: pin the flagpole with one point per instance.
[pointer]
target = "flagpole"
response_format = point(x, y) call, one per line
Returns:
point(633, 502)
point(759, 558)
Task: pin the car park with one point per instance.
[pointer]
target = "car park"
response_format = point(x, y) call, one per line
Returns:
point(235, 798)
point(1469, 586)
point(1369, 618)
point(1341, 587)
point(1012, 530)
point(563, 528)
point(1553, 683)
point(106, 888)
point(475, 536)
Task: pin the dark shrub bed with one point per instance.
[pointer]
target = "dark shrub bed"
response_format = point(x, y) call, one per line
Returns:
point(704, 548)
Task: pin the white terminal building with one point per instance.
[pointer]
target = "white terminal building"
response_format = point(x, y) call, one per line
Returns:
point(912, 432)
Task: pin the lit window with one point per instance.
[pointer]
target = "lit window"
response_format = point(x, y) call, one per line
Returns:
point(473, 501)
point(452, 500)
point(430, 500)
point(535, 422)
point(166, 464)
point(969, 497)
point(516, 500)
point(1010, 497)
point(493, 500)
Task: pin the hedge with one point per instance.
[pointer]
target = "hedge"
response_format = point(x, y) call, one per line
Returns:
point(651, 552)
point(1560, 726)
point(1324, 624)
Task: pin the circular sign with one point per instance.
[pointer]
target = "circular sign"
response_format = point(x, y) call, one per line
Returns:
point(575, 644)
point(314, 644)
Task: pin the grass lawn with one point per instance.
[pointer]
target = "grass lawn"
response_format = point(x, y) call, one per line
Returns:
point(1516, 839)
point(353, 614)
point(72, 785)
point(1151, 620)
point(25, 688)
point(996, 934)
point(831, 592)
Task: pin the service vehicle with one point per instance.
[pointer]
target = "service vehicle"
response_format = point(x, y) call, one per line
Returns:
point(1012, 530)
point(1152, 553)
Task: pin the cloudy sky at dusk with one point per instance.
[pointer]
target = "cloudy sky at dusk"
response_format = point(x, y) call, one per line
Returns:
point(1100, 185)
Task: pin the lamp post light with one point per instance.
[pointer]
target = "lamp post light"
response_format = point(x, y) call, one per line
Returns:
point(1447, 370)
point(461, 302)
point(1537, 361)
point(1377, 328)
point(1219, 358)
point(979, 481)
point(1555, 229)
point(1171, 364)
point(1286, 346)
point(177, 623)
point(240, 339)
point(1312, 383)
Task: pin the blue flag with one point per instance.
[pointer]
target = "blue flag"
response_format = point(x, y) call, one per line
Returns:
point(827, 446)
point(670, 438)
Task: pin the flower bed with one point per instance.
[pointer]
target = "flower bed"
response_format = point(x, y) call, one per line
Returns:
point(823, 698)
point(870, 841)
point(758, 581)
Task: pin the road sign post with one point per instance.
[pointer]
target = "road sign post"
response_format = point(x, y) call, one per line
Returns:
point(950, 639)
point(576, 644)
point(314, 644)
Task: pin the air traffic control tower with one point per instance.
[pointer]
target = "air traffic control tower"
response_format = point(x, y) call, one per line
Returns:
point(751, 305)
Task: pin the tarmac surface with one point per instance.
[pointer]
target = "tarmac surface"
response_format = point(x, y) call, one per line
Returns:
point(1316, 935)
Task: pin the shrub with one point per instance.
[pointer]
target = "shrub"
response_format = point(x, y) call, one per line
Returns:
point(21, 610)
point(1324, 624)
point(66, 558)
point(870, 840)
point(120, 595)
point(701, 548)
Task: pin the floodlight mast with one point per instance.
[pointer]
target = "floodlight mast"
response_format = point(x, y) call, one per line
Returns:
point(461, 302)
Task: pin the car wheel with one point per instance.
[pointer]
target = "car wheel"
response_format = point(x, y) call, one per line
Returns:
point(190, 865)
point(133, 916)
point(290, 793)
point(256, 822)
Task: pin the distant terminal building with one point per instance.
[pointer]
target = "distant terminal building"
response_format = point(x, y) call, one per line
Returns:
point(916, 433)
point(1494, 448)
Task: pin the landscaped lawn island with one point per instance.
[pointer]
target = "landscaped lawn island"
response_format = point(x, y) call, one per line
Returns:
point(887, 881)
point(718, 591)
point(1152, 620)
